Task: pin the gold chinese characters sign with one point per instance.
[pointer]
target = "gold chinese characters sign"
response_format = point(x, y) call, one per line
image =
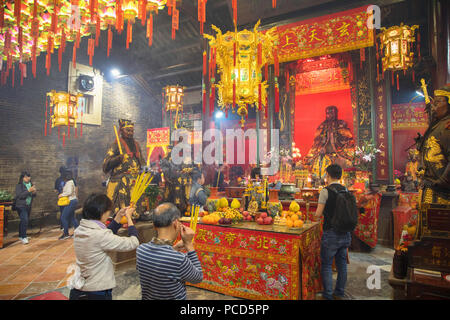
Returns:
point(239, 57)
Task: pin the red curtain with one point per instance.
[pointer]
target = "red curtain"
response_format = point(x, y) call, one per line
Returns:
point(310, 113)
point(402, 139)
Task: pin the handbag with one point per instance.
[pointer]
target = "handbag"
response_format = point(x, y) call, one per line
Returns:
point(63, 201)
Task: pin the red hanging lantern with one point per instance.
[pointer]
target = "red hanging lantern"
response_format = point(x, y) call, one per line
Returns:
point(110, 35)
point(175, 21)
point(45, 118)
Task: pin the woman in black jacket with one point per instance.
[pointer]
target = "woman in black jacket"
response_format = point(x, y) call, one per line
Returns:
point(25, 192)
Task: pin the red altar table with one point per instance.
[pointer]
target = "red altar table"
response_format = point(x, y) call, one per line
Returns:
point(263, 262)
point(367, 228)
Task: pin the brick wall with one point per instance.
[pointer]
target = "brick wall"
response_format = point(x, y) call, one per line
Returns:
point(24, 146)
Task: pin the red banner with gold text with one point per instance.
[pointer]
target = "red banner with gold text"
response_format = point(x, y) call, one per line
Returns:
point(339, 32)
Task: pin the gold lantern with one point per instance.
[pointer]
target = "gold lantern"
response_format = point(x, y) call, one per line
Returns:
point(65, 108)
point(173, 101)
point(240, 57)
point(396, 44)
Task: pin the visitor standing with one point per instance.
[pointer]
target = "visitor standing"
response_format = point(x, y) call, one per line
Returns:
point(94, 275)
point(197, 196)
point(59, 185)
point(25, 192)
point(68, 213)
point(338, 207)
point(163, 268)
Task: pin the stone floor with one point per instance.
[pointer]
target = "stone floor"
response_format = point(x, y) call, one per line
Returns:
point(41, 266)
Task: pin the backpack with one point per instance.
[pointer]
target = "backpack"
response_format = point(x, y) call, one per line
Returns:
point(345, 217)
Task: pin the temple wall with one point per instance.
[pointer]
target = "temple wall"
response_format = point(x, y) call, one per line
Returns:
point(24, 146)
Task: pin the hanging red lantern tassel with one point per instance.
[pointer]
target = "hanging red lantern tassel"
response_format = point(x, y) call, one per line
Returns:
point(204, 62)
point(234, 5)
point(50, 121)
point(234, 94)
point(274, 4)
point(119, 16)
point(413, 77)
point(74, 57)
point(81, 122)
point(362, 56)
point(64, 139)
point(21, 65)
point(68, 130)
point(13, 75)
point(17, 11)
point(150, 30)
point(91, 48)
point(259, 97)
point(378, 72)
point(110, 35)
point(129, 33)
point(142, 11)
point(277, 97)
point(398, 87)
point(2, 15)
point(175, 21)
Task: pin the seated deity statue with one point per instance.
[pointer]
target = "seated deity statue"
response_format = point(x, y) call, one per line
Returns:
point(333, 143)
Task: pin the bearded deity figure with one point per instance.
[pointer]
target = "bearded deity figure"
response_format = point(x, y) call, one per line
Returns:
point(333, 143)
point(123, 168)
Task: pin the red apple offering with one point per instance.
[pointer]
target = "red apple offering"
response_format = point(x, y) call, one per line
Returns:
point(263, 215)
point(267, 220)
point(260, 220)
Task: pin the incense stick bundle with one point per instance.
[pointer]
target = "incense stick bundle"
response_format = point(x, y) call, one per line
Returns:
point(194, 217)
point(118, 140)
point(141, 184)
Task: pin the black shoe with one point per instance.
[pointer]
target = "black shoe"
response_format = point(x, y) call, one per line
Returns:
point(64, 237)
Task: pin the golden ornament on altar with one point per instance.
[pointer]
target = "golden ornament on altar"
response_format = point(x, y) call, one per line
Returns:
point(396, 43)
point(240, 57)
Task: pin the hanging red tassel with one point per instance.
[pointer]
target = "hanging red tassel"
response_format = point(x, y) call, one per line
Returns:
point(129, 33)
point(378, 72)
point(398, 87)
point(74, 56)
point(234, 5)
point(68, 130)
point(21, 67)
point(17, 11)
point(259, 97)
point(110, 35)
point(413, 77)
point(59, 58)
point(277, 97)
point(204, 62)
point(91, 48)
point(64, 138)
point(150, 30)
point(175, 21)
point(142, 11)
point(119, 16)
point(234, 93)
point(2, 15)
point(274, 4)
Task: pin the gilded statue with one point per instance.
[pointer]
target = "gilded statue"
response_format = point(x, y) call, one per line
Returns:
point(333, 143)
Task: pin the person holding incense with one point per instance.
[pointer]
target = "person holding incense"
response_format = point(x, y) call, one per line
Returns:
point(198, 195)
point(123, 161)
point(164, 266)
point(219, 178)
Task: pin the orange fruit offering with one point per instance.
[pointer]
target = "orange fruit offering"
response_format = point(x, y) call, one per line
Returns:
point(298, 223)
point(289, 223)
point(294, 217)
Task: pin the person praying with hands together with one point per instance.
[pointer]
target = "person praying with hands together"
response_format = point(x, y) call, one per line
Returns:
point(94, 272)
point(163, 267)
